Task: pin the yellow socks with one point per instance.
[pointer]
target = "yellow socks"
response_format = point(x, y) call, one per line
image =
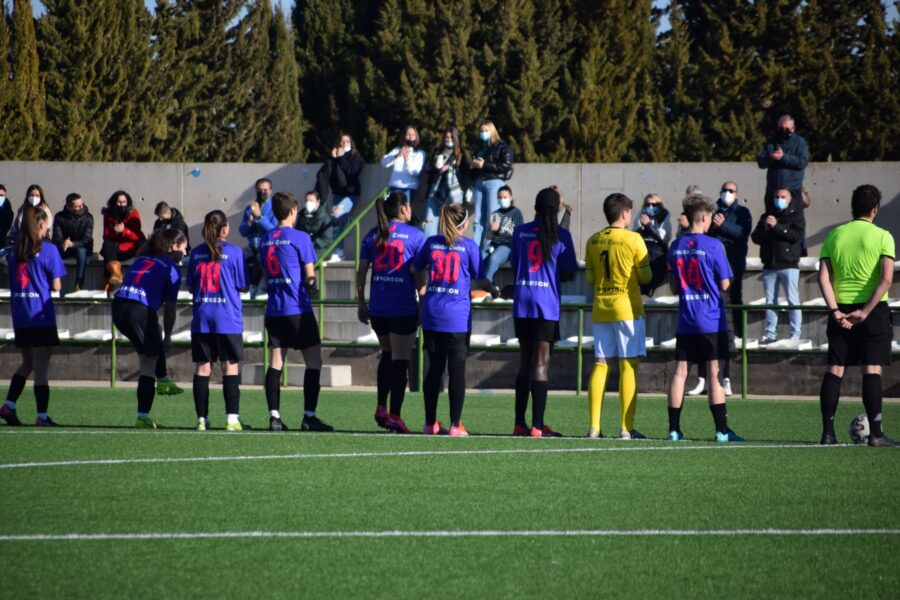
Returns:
point(628, 391)
point(596, 388)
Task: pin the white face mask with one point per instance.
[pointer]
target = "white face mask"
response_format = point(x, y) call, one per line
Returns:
point(2, 200)
point(727, 198)
point(347, 149)
point(35, 200)
point(448, 144)
point(311, 207)
point(505, 202)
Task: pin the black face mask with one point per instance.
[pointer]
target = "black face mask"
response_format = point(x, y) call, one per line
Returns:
point(120, 212)
point(261, 197)
point(176, 255)
point(785, 133)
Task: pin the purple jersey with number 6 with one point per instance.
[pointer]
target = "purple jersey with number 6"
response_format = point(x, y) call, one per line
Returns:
point(216, 288)
point(151, 281)
point(284, 252)
point(699, 263)
point(447, 304)
point(392, 290)
point(30, 286)
point(537, 287)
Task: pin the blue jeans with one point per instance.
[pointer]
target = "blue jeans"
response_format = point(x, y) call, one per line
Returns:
point(789, 280)
point(80, 255)
point(346, 204)
point(491, 262)
point(484, 196)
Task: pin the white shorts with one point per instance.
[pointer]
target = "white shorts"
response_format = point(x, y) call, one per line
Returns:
point(622, 339)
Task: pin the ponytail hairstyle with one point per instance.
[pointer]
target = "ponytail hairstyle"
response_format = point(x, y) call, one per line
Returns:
point(213, 224)
point(29, 242)
point(453, 216)
point(387, 209)
point(546, 209)
point(161, 242)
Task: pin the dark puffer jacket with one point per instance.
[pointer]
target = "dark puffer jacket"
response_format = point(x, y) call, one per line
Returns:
point(498, 162)
point(77, 228)
point(780, 247)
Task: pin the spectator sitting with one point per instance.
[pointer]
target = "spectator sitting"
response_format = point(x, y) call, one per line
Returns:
point(73, 234)
point(779, 234)
point(168, 217)
point(122, 236)
point(34, 196)
point(258, 220)
point(6, 213)
point(655, 227)
point(499, 237)
point(315, 220)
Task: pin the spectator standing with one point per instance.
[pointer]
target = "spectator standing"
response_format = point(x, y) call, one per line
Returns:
point(344, 167)
point(122, 236)
point(498, 243)
point(779, 234)
point(169, 217)
point(655, 226)
point(785, 156)
point(406, 162)
point(34, 196)
point(315, 221)
point(445, 186)
point(491, 165)
point(6, 213)
point(257, 222)
point(73, 234)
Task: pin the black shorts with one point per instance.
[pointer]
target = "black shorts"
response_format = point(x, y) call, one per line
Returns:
point(452, 346)
point(296, 332)
point(37, 337)
point(213, 347)
point(139, 323)
point(396, 325)
point(868, 343)
point(536, 330)
point(701, 347)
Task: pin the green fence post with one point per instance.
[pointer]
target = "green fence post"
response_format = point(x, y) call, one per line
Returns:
point(579, 362)
point(321, 301)
point(112, 358)
point(265, 351)
point(420, 362)
point(744, 353)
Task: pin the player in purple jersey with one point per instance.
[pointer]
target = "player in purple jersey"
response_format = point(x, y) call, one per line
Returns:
point(392, 307)
point(542, 253)
point(699, 272)
point(151, 282)
point(216, 278)
point(452, 263)
point(289, 257)
point(35, 269)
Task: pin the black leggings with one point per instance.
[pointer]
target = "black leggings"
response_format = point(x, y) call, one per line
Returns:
point(445, 351)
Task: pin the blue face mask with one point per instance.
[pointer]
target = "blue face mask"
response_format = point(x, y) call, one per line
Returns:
point(651, 209)
point(485, 136)
point(781, 203)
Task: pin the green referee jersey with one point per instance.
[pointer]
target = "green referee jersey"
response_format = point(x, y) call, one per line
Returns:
point(855, 250)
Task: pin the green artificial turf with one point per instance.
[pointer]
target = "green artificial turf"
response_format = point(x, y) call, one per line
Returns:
point(358, 481)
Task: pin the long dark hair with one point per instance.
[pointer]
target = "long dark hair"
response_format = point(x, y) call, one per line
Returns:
point(161, 242)
point(111, 203)
point(213, 224)
point(403, 137)
point(387, 209)
point(30, 189)
point(29, 242)
point(546, 208)
point(452, 218)
point(454, 135)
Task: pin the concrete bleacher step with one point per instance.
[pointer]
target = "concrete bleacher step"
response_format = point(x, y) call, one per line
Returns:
point(480, 339)
point(7, 334)
point(94, 335)
point(332, 375)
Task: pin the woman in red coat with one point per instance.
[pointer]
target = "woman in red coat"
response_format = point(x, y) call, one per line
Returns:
point(122, 236)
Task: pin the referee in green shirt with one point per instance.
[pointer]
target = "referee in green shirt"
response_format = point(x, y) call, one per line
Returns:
point(856, 269)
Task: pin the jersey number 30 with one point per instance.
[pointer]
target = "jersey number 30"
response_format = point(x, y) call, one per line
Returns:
point(445, 267)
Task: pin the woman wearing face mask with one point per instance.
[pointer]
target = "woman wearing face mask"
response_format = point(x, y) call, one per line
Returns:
point(491, 165)
point(655, 227)
point(34, 196)
point(73, 234)
point(6, 213)
point(153, 280)
point(498, 243)
point(445, 168)
point(406, 162)
point(315, 221)
point(122, 236)
point(345, 166)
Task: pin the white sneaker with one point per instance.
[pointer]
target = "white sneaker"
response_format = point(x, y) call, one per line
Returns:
point(334, 258)
point(726, 385)
point(699, 389)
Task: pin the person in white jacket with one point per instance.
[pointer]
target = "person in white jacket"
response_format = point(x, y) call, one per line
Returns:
point(406, 162)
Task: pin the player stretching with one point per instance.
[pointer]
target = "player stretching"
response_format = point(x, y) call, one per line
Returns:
point(153, 279)
point(855, 273)
point(35, 269)
point(699, 272)
point(289, 257)
point(617, 264)
point(388, 248)
point(540, 251)
point(452, 263)
point(216, 276)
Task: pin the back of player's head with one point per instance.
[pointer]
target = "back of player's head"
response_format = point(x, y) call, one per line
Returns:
point(615, 205)
point(162, 241)
point(213, 224)
point(865, 199)
point(452, 223)
point(29, 242)
point(387, 209)
point(695, 207)
point(282, 205)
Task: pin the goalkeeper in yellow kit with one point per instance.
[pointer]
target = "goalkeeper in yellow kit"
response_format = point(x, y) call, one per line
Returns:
point(617, 264)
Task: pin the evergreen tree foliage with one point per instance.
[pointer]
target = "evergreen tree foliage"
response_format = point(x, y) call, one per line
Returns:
point(27, 124)
point(7, 97)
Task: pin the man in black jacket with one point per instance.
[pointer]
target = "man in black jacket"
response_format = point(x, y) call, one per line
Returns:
point(779, 234)
point(73, 234)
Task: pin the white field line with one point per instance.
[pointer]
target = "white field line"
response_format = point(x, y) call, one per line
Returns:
point(451, 533)
point(397, 454)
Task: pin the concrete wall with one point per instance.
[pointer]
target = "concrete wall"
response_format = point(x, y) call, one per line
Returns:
point(230, 186)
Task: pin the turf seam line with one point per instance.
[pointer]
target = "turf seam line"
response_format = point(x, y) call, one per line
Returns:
point(397, 454)
point(61, 537)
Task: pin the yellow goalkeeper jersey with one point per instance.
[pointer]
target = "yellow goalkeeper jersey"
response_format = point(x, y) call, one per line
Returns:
point(619, 261)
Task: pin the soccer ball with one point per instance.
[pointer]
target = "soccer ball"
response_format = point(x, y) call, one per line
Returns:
point(859, 429)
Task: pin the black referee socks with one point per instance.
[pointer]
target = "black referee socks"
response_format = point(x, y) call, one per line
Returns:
point(829, 395)
point(872, 399)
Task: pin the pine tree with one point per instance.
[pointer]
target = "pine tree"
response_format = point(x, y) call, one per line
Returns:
point(27, 128)
point(7, 95)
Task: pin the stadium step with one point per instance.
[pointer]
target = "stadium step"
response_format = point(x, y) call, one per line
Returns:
point(332, 375)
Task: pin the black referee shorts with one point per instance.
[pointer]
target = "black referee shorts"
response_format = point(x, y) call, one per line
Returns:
point(868, 343)
point(139, 323)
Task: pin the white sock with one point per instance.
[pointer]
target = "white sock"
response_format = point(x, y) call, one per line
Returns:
point(309, 413)
point(274, 414)
point(11, 405)
point(143, 415)
point(42, 416)
point(233, 419)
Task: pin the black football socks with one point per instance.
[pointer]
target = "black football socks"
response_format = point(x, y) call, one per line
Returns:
point(201, 395)
point(399, 378)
